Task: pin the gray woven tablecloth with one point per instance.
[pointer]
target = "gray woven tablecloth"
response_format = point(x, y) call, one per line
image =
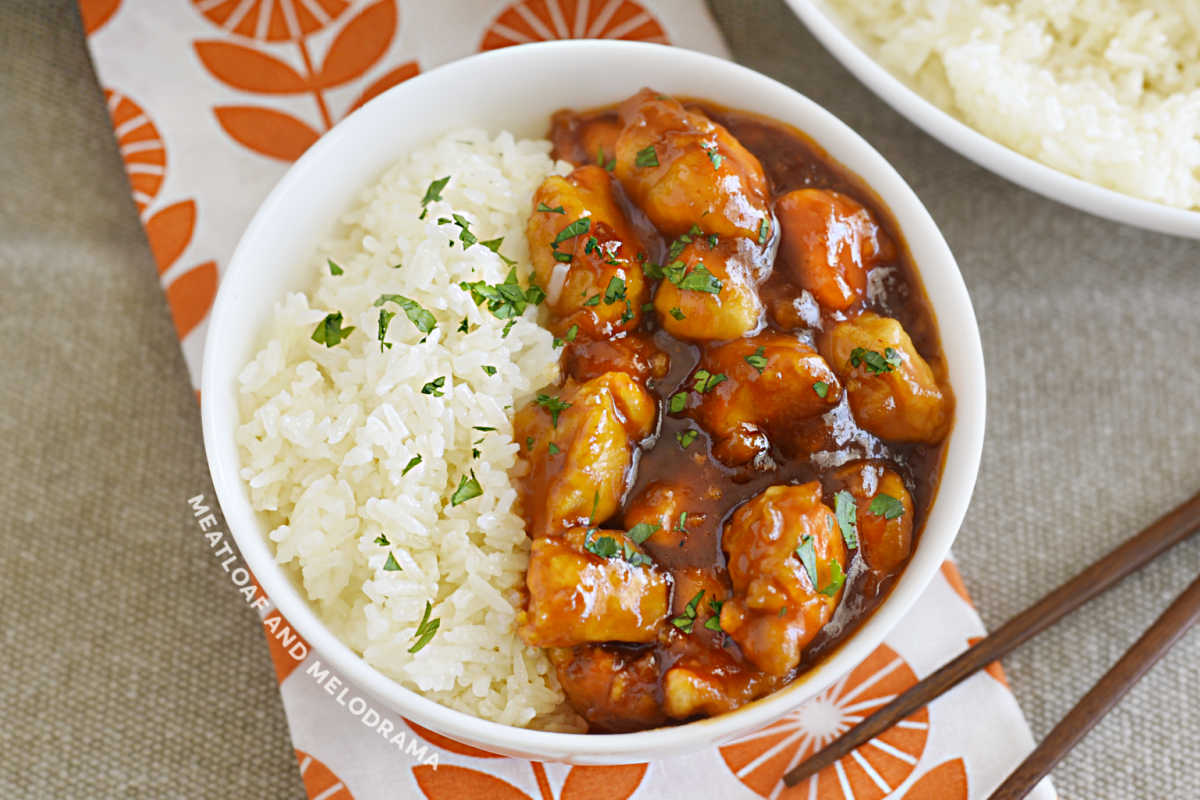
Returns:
point(130, 668)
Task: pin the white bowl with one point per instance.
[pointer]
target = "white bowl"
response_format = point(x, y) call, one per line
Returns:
point(837, 37)
point(517, 89)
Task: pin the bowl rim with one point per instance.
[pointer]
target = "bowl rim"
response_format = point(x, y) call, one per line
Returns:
point(220, 419)
point(988, 153)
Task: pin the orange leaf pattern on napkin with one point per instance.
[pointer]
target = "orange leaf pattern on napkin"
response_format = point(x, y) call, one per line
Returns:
point(208, 113)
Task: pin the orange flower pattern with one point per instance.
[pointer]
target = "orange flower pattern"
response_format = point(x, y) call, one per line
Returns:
point(450, 782)
point(271, 20)
point(543, 20)
point(871, 772)
point(319, 780)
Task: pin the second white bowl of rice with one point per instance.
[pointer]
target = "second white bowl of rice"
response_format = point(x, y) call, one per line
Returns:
point(321, 457)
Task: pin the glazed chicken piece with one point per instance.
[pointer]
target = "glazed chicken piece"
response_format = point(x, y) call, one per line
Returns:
point(831, 242)
point(893, 392)
point(634, 354)
point(772, 382)
point(585, 254)
point(708, 293)
point(884, 514)
point(615, 690)
point(593, 427)
point(777, 607)
point(683, 169)
point(665, 505)
point(588, 585)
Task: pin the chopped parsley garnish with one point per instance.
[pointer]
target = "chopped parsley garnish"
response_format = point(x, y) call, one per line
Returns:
point(483, 428)
point(529, 443)
point(646, 157)
point(700, 280)
point(604, 546)
point(434, 192)
point(382, 540)
point(385, 319)
point(505, 300)
point(547, 209)
point(576, 228)
point(876, 363)
point(488, 369)
point(590, 245)
point(763, 229)
point(508, 326)
point(715, 157)
point(602, 162)
point(808, 557)
point(706, 380)
point(468, 489)
point(552, 449)
point(595, 505)
point(836, 578)
point(712, 240)
point(563, 258)
point(685, 438)
point(847, 517)
point(412, 462)
point(886, 506)
point(594, 300)
point(642, 531)
point(494, 246)
point(682, 522)
point(475, 452)
point(464, 326)
point(713, 623)
point(329, 331)
point(757, 359)
point(426, 629)
point(677, 313)
point(434, 387)
point(821, 388)
point(678, 402)
point(627, 314)
point(571, 333)
point(424, 320)
point(465, 236)
point(391, 565)
point(553, 405)
point(334, 269)
point(615, 290)
point(687, 619)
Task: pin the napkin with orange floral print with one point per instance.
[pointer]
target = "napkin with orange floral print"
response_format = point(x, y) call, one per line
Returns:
point(211, 100)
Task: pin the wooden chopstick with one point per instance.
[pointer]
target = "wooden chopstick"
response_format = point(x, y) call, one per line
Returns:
point(1165, 532)
point(1108, 691)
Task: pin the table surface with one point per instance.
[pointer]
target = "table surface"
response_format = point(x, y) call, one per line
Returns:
point(133, 669)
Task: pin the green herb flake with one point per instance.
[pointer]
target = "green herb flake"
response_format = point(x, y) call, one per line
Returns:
point(847, 517)
point(886, 506)
point(334, 269)
point(646, 157)
point(687, 619)
point(576, 228)
point(706, 380)
point(385, 319)
point(529, 443)
point(715, 157)
point(836, 578)
point(677, 313)
point(505, 300)
point(603, 546)
point(552, 449)
point(807, 553)
point(434, 192)
point(822, 389)
point(685, 438)
point(508, 326)
point(418, 316)
point(426, 629)
point(464, 326)
point(713, 623)
point(700, 280)
point(712, 240)
point(412, 462)
point(468, 489)
point(680, 526)
point(562, 258)
point(572, 332)
point(875, 362)
point(382, 540)
point(434, 387)
point(553, 405)
point(642, 531)
point(494, 246)
point(329, 331)
point(595, 505)
point(615, 290)
point(391, 565)
point(594, 300)
point(488, 369)
point(763, 229)
point(757, 359)
point(548, 210)
point(677, 402)
point(483, 428)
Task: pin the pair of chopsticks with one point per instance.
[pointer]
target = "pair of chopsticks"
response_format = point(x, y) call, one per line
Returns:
point(1160, 536)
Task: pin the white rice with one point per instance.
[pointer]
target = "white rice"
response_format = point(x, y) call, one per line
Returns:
point(1106, 90)
point(328, 432)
